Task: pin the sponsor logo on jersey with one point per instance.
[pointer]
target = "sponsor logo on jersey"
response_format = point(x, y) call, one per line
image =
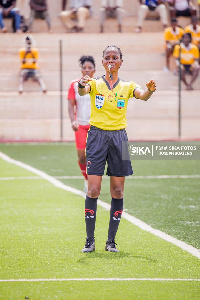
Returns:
point(99, 101)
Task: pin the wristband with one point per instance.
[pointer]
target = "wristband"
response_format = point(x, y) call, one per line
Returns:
point(151, 91)
point(80, 85)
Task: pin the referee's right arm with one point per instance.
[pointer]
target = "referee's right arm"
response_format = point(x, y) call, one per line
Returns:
point(83, 86)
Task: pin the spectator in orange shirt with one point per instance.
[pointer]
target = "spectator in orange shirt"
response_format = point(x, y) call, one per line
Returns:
point(29, 66)
point(187, 55)
point(194, 29)
point(172, 36)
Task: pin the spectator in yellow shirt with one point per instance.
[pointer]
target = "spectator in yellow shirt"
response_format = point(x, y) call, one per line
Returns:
point(187, 55)
point(194, 29)
point(172, 36)
point(29, 66)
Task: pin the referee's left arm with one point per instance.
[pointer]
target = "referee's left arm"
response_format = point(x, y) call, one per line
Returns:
point(145, 95)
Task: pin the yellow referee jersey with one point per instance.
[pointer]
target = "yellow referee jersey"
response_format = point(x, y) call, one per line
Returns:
point(188, 54)
point(108, 107)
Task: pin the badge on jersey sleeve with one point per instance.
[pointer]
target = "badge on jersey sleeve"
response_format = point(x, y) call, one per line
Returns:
point(99, 101)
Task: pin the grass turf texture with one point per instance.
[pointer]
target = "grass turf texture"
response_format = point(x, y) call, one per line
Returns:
point(42, 233)
point(102, 290)
point(171, 205)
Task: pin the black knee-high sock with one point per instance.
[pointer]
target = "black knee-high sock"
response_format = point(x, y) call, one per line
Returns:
point(115, 217)
point(90, 215)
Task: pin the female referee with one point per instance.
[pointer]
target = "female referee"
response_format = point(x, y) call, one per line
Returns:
point(109, 98)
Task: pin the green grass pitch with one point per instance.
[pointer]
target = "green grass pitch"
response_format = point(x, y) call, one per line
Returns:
point(43, 231)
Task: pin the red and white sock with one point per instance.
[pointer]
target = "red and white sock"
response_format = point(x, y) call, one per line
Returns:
point(83, 170)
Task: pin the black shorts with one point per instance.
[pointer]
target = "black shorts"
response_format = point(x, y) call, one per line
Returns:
point(106, 146)
point(187, 68)
point(29, 73)
point(183, 13)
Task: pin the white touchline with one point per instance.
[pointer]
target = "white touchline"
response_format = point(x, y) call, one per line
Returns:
point(20, 178)
point(99, 279)
point(106, 177)
point(190, 249)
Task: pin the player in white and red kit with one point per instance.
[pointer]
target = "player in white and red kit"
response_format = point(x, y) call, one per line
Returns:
point(79, 112)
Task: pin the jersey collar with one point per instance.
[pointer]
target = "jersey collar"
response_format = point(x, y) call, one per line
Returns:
point(176, 30)
point(106, 82)
point(186, 48)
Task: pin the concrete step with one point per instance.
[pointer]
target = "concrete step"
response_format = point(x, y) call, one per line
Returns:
point(73, 46)
point(143, 56)
point(34, 116)
point(92, 25)
point(130, 8)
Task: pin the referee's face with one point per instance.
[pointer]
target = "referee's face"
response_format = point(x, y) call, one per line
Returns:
point(112, 58)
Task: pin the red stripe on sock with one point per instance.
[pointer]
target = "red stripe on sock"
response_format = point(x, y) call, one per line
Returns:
point(83, 169)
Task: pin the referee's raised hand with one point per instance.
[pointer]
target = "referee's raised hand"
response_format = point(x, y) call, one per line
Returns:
point(84, 80)
point(83, 87)
point(151, 86)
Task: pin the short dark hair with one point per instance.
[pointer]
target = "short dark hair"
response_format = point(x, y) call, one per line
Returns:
point(187, 34)
point(173, 20)
point(113, 46)
point(28, 40)
point(85, 58)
